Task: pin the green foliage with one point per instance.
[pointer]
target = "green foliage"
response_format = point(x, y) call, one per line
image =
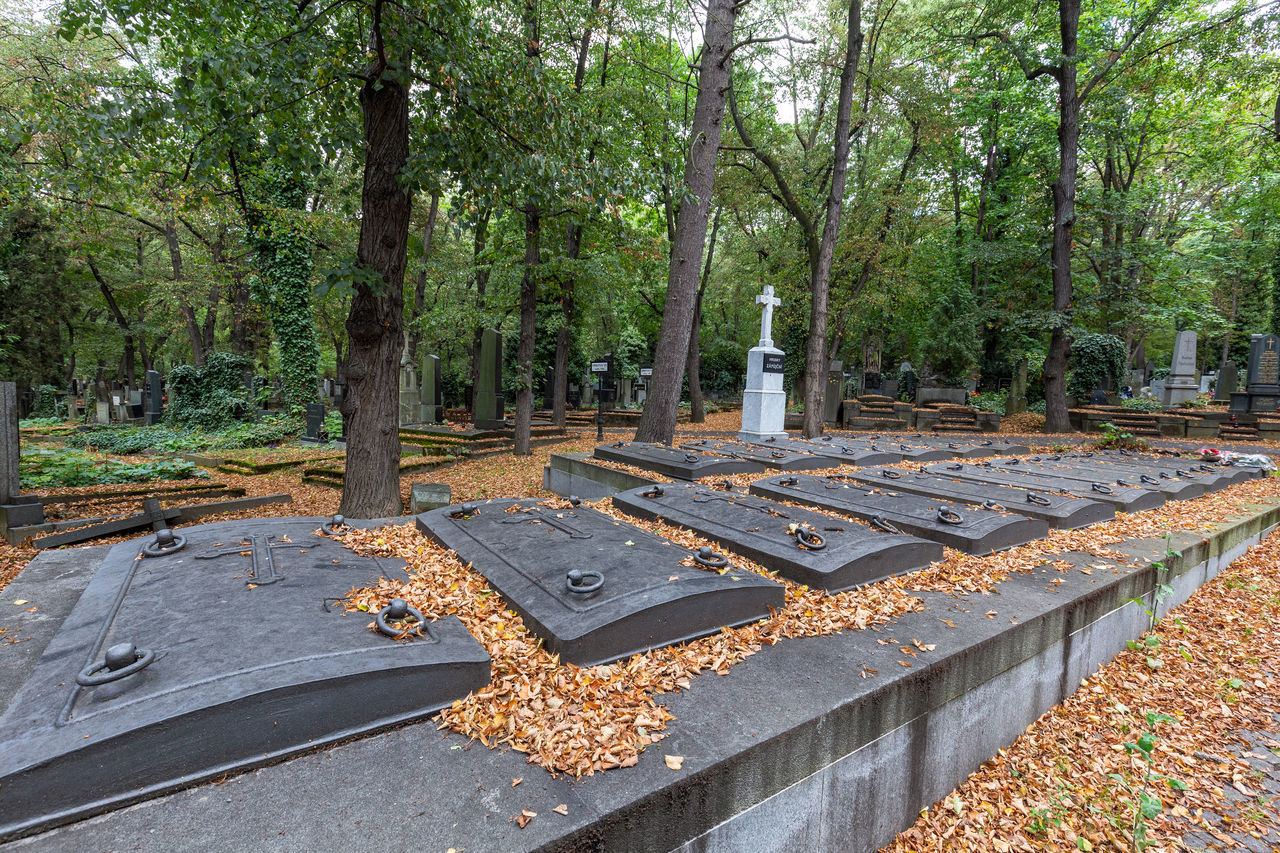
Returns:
point(333, 424)
point(1142, 404)
point(1095, 359)
point(991, 401)
point(208, 397)
point(29, 423)
point(35, 293)
point(1115, 438)
point(1038, 407)
point(43, 469)
point(1146, 805)
point(46, 403)
point(950, 346)
point(128, 439)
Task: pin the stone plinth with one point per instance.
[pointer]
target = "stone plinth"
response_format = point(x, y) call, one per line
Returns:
point(1182, 384)
point(764, 403)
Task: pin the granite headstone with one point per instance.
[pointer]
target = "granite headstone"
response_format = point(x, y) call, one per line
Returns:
point(764, 403)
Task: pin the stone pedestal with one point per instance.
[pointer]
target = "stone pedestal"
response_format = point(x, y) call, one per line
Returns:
point(432, 408)
point(155, 398)
point(490, 407)
point(764, 403)
point(1182, 384)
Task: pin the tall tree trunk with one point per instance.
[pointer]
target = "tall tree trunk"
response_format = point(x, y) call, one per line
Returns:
point(560, 371)
point(1064, 214)
point(239, 315)
point(528, 329)
point(375, 326)
point(481, 281)
point(420, 284)
point(693, 368)
point(815, 363)
point(661, 407)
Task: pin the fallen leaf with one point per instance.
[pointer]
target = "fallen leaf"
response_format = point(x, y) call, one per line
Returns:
point(675, 762)
point(19, 601)
point(517, 781)
point(563, 809)
point(990, 613)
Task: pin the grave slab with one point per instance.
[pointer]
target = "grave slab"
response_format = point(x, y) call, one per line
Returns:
point(674, 461)
point(225, 653)
point(595, 589)
point(908, 451)
point(846, 454)
point(1214, 476)
point(1122, 498)
point(956, 525)
point(1173, 487)
point(972, 448)
point(839, 554)
point(776, 458)
point(1065, 513)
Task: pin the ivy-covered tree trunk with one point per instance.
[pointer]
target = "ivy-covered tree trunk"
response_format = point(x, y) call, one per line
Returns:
point(284, 284)
point(528, 329)
point(375, 326)
point(661, 406)
point(693, 368)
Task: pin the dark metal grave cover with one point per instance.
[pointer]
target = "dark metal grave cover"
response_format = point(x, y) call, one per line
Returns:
point(770, 457)
point(595, 589)
point(970, 529)
point(1174, 488)
point(675, 461)
point(1122, 498)
point(1058, 510)
point(224, 653)
point(971, 447)
point(1214, 476)
point(905, 449)
point(846, 454)
point(801, 545)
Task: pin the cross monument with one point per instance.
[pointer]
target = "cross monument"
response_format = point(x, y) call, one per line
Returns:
point(769, 302)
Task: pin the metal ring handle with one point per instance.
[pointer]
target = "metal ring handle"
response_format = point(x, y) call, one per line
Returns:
point(166, 542)
point(1120, 482)
point(652, 492)
point(1101, 488)
point(121, 661)
point(955, 467)
point(890, 474)
point(1179, 472)
point(993, 506)
point(776, 454)
point(583, 582)
point(1148, 479)
point(1035, 458)
point(465, 509)
point(1165, 475)
point(987, 443)
point(1014, 461)
point(811, 539)
point(844, 448)
point(788, 481)
point(951, 445)
point(331, 526)
point(704, 556)
point(1055, 457)
point(691, 457)
point(880, 523)
point(398, 609)
point(950, 516)
point(1036, 498)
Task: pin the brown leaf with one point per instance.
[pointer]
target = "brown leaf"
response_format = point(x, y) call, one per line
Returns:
point(675, 762)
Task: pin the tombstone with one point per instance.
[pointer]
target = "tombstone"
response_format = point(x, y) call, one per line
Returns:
point(1263, 388)
point(1206, 382)
point(1064, 513)
point(675, 462)
point(250, 670)
point(1058, 467)
point(1228, 381)
point(625, 387)
point(155, 398)
point(799, 544)
point(596, 589)
point(1157, 388)
point(432, 403)
point(603, 375)
point(973, 530)
point(10, 481)
point(833, 399)
point(908, 381)
point(490, 406)
point(646, 376)
point(428, 496)
point(315, 422)
point(764, 403)
point(1182, 385)
point(1124, 499)
point(410, 405)
point(1097, 397)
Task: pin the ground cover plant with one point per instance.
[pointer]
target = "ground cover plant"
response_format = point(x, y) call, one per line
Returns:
point(135, 439)
point(43, 468)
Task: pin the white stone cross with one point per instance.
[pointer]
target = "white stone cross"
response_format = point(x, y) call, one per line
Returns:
point(769, 301)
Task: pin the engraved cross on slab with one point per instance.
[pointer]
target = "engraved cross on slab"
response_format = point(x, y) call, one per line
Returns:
point(769, 301)
point(262, 564)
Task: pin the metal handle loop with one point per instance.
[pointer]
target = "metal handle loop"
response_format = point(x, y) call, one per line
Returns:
point(1120, 482)
point(1148, 479)
point(955, 467)
point(950, 516)
point(890, 474)
point(583, 582)
point(811, 539)
point(993, 506)
point(788, 481)
point(1036, 498)
point(652, 492)
point(331, 526)
point(704, 556)
point(398, 610)
point(166, 542)
point(882, 524)
point(691, 457)
point(121, 661)
point(776, 454)
point(1102, 488)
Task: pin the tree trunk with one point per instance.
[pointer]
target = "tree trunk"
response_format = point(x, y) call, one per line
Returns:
point(661, 407)
point(528, 329)
point(693, 368)
point(815, 363)
point(560, 372)
point(1064, 214)
point(420, 285)
point(481, 280)
point(375, 326)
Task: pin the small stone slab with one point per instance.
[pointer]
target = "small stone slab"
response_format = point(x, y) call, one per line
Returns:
point(1122, 498)
point(976, 531)
point(775, 458)
point(1059, 511)
point(429, 496)
point(845, 555)
point(647, 598)
point(846, 454)
point(251, 659)
point(1162, 480)
point(675, 461)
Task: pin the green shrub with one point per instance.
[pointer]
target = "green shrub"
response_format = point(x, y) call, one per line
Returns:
point(1039, 407)
point(52, 468)
point(127, 440)
point(1095, 358)
point(991, 401)
point(1114, 438)
point(333, 424)
point(27, 423)
point(210, 396)
point(1142, 404)
point(46, 403)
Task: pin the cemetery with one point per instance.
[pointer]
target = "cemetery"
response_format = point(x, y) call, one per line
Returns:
point(722, 427)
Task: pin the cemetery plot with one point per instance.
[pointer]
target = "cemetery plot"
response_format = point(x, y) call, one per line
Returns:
point(222, 650)
point(594, 589)
point(971, 448)
point(844, 453)
point(776, 458)
point(1059, 511)
point(1122, 498)
point(674, 461)
point(1215, 476)
point(804, 546)
point(956, 525)
point(1173, 487)
point(906, 451)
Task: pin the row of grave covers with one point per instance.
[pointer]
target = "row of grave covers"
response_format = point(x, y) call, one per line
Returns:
point(228, 647)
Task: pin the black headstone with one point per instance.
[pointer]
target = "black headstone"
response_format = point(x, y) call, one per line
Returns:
point(315, 421)
point(839, 554)
point(1264, 367)
point(155, 398)
point(1173, 487)
point(594, 589)
point(224, 654)
point(675, 462)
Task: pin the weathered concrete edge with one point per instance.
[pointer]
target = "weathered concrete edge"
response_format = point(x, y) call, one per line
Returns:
point(575, 474)
point(945, 718)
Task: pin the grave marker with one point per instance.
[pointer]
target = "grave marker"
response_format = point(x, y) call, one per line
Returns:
point(675, 462)
point(764, 403)
point(594, 589)
point(490, 406)
point(431, 401)
point(1124, 499)
point(155, 398)
point(315, 422)
point(1182, 385)
point(770, 457)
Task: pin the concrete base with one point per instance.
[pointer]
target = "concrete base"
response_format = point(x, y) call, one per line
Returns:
point(842, 764)
point(575, 474)
point(1179, 389)
point(764, 403)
